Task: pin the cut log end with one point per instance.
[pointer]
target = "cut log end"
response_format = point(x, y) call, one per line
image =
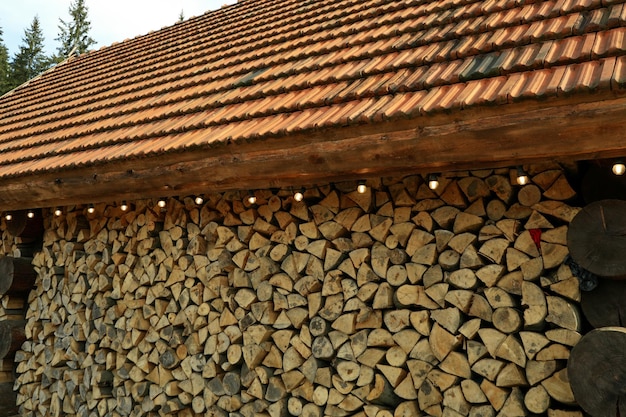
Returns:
point(599, 357)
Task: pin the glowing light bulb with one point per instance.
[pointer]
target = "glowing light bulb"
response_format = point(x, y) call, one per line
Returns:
point(91, 209)
point(124, 206)
point(361, 188)
point(619, 168)
point(30, 214)
point(58, 211)
point(433, 181)
point(298, 196)
point(252, 199)
point(161, 203)
point(199, 200)
point(522, 176)
point(8, 217)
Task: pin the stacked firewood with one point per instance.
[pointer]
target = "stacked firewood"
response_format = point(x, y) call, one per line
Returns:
point(11, 326)
point(400, 301)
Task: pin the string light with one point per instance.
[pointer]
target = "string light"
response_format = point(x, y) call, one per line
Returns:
point(619, 168)
point(522, 176)
point(199, 200)
point(299, 195)
point(30, 214)
point(251, 198)
point(361, 188)
point(58, 211)
point(161, 203)
point(433, 181)
point(91, 209)
point(124, 205)
point(8, 217)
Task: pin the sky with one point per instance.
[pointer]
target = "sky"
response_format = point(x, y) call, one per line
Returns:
point(111, 20)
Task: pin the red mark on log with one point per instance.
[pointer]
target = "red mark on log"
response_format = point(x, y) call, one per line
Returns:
point(536, 236)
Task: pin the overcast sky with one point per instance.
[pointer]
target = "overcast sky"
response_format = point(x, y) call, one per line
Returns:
point(111, 20)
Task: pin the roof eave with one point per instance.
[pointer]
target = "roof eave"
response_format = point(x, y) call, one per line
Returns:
point(484, 137)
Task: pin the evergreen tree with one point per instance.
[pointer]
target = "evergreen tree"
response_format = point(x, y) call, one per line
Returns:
point(181, 16)
point(30, 60)
point(74, 34)
point(4, 66)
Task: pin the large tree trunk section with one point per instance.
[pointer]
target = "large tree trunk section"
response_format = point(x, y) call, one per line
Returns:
point(11, 336)
point(8, 405)
point(605, 306)
point(597, 238)
point(597, 372)
point(17, 275)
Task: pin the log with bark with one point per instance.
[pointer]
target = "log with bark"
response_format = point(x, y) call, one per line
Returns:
point(597, 372)
point(17, 275)
point(12, 335)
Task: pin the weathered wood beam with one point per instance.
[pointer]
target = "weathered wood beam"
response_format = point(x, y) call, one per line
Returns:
point(487, 137)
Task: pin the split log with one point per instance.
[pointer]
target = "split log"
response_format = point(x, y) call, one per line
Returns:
point(17, 275)
point(599, 357)
point(596, 238)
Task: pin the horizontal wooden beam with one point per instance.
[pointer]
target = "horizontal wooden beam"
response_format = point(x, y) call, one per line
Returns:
point(486, 137)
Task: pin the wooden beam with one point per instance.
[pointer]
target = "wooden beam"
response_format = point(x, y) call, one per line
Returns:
point(485, 137)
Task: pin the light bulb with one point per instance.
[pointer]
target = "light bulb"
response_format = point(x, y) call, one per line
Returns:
point(298, 196)
point(91, 209)
point(522, 177)
point(619, 168)
point(58, 211)
point(30, 214)
point(8, 217)
point(361, 188)
point(161, 203)
point(199, 200)
point(124, 206)
point(252, 198)
point(433, 181)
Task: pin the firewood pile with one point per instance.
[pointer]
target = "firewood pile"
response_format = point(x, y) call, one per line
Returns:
point(400, 302)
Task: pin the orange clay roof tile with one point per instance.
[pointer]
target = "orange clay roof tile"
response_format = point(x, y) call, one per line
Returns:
point(276, 67)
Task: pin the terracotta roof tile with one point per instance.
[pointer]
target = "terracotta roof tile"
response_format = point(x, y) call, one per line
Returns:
point(259, 69)
point(618, 80)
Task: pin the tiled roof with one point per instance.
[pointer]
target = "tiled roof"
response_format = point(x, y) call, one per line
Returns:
point(273, 68)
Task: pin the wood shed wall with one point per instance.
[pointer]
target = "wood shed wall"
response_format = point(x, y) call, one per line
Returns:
point(397, 302)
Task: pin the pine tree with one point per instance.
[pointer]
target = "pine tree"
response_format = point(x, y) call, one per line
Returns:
point(4, 66)
point(74, 34)
point(30, 60)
